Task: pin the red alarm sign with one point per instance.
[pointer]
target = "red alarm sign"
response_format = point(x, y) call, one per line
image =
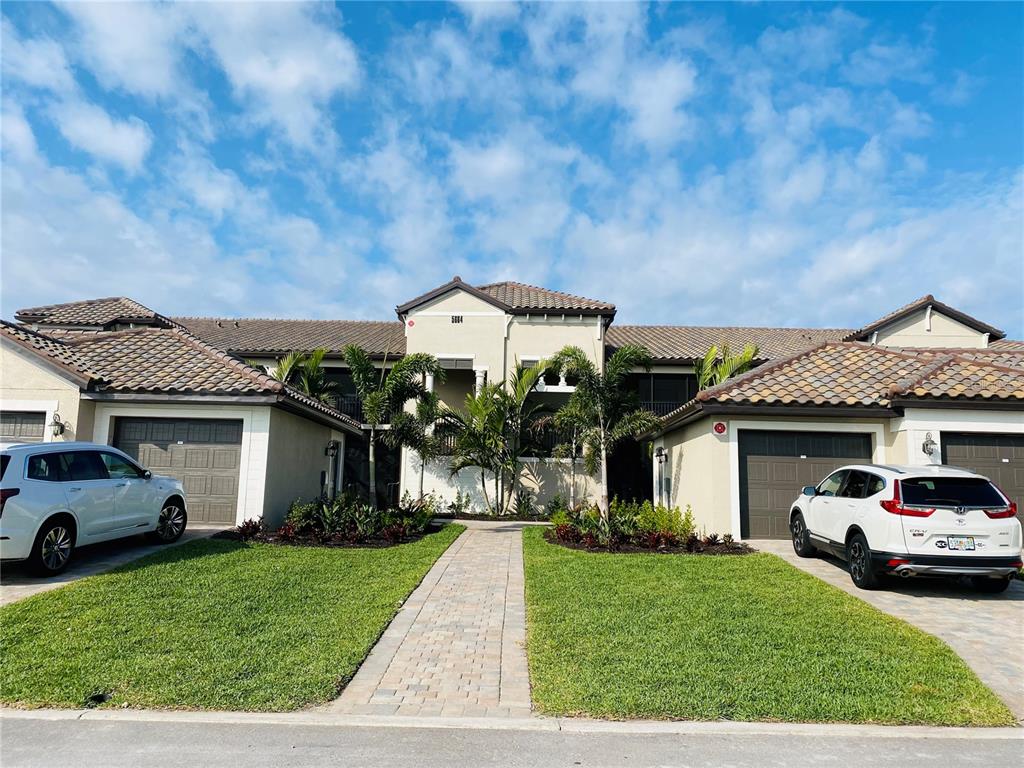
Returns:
point(719, 428)
point(411, 323)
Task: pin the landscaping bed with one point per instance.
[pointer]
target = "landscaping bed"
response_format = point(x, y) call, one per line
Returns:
point(693, 545)
point(291, 538)
point(738, 638)
point(212, 624)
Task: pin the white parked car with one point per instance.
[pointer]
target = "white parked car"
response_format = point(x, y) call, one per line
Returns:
point(910, 521)
point(58, 496)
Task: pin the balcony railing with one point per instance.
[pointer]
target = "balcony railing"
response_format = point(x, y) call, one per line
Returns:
point(661, 407)
point(352, 406)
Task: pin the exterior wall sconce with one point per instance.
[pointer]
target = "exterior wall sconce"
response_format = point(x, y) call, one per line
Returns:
point(660, 455)
point(332, 448)
point(57, 425)
point(929, 445)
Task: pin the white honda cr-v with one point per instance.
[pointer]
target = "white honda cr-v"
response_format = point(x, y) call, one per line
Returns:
point(910, 521)
point(58, 496)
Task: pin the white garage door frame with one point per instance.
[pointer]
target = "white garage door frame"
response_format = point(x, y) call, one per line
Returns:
point(49, 407)
point(877, 432)
point(252, 471)
point(918, 422)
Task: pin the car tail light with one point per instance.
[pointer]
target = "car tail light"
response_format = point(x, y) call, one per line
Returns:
point(5, 494)
point(895, 504)
point(996, 514)
point(895, 562)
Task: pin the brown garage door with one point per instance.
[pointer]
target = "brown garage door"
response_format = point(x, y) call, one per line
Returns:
point(22, 426)
point(774, 466)
point(998, 457)
point(203, 453)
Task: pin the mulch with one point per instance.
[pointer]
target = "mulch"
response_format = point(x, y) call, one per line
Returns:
point(333, 542)
point(722, 548)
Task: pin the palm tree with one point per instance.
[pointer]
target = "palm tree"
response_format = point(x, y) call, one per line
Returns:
point(717, 366)
point(384, 392)
point(605, 403)
point(493, 432)
point(571, 423)
point(304, 372)
point(419, 431)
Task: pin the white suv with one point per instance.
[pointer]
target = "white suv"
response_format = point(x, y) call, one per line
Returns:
point(57, 496)
point(910, 521)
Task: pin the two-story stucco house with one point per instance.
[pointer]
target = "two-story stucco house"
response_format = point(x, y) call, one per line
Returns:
point(926, 383)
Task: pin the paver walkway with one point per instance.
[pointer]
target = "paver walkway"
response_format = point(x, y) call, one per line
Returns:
point(985, 630)
point(457, 646)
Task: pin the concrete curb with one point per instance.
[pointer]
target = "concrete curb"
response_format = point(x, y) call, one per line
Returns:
point(568, 725)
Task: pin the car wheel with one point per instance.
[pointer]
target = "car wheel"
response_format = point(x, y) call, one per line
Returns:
point(801, 537)
point(858, 556)
point(171, 523)
point(989, 585)
point(51, 552)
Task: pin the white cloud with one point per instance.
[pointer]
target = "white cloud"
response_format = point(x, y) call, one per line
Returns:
point(485, 12)
point(284, 61)
point(132, 46)
point(654, 97)
point(90, 128)
point(38, 62)
point(879, 63)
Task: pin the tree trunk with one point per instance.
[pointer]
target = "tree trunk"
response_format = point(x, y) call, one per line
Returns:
point(572, 477)
point(373, 468)
point(483, 486)
point(423, 469)
point(604, 480)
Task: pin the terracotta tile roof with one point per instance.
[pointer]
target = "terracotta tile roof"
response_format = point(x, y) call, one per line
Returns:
point(159, 361)
point(54, 350)
point(522, 296)
point(246, 336)
point(681, 343)
point(854, 375)
point(1008, 344)
point(862, 334)
point(96, 312)
point(515, 298)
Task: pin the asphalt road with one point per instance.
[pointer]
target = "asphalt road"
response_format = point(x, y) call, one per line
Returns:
point(46, 742)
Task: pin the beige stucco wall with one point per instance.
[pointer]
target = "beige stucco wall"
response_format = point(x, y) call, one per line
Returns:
point(537, 337)
point(295, 458)
point(697, 473)
point(28, 385)
point(912, 331)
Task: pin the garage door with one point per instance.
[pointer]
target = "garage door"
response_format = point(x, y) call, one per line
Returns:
point(22, 426)
point(774, 466)
point(999, 457)
point(203, 453)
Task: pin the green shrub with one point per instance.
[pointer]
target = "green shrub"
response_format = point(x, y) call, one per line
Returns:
point(525, 503)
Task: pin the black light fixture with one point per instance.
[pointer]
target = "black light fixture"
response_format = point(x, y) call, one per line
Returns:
point(57, 425)
point(332, 448)
point(660, 455)
point(929, 445)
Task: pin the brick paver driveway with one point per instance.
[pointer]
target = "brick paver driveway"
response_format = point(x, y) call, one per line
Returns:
point(457, 646)
point(986, 630)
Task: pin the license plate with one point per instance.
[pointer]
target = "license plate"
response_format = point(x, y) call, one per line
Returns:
point(960, 543)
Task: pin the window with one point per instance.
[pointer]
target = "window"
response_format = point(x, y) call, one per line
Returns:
point(46, 466)
point(830, 485)
point(119, 468)
point(456, 319)
point(4, 461)
point(950, 492)
point(875, 485)
point(84, 465)
point(855, 486)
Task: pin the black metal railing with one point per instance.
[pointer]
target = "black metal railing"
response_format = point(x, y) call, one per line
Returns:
point(661, 407)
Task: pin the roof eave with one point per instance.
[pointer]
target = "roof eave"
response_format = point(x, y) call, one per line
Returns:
point(82, 381)
point(701, 409)
point(960, 403)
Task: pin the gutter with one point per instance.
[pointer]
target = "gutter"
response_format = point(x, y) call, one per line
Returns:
point(700, 410)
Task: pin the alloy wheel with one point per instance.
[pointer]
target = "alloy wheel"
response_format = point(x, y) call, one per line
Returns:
point(857, 561)
point(171, 522)
point(56, 548)
point(798, 530)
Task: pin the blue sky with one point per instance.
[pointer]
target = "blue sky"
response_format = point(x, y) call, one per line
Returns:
point(772, 164)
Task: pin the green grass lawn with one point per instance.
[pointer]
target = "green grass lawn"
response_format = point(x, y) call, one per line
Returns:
point(737, 638)
point(211, 624)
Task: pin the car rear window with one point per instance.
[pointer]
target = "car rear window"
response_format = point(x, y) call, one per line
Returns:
point(951, 492)
point(4, 461)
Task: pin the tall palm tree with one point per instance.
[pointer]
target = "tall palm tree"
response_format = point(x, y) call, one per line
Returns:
point(719, 365)
point(420, 431)
point(384, 392)
point(478, 436)
point(605, 403)
point(305, 372)
point(571, 423)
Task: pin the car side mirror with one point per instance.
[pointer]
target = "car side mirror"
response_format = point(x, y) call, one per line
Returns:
point(148, 475)
point(809, 490)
